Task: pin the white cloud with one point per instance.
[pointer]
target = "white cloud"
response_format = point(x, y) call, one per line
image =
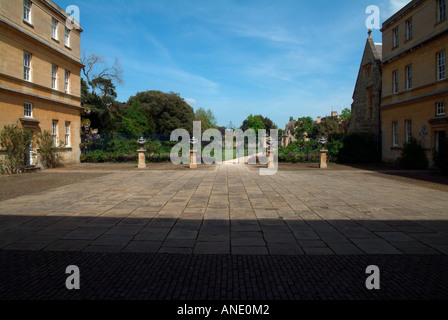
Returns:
point(191, 101)
point(395, 5)
point(274, 34)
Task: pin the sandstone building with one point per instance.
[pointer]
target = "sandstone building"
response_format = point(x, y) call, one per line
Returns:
point(414, 79)
point(365, 109)
point(40, 71)
point(288, 135)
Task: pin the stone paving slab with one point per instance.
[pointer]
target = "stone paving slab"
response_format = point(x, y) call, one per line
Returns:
point(40, 275)
point(312, 212)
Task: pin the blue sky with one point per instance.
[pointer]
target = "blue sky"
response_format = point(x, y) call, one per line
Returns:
point(276, 58)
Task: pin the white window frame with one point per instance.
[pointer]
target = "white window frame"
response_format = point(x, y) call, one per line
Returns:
point(67, 81)
point(67, 133)
point(54, 131)
point(396, 37)
point(441, 65)
point(28, 110)
point(54, 77)
point(395, 81)
point(409, 29)
point(54, 28)
point(408, 126)
point(67, 37)
point(27, 66)
point(409, 76)
point(440, 108)
point(441, 10)
point(395, 133)
point(27, 4)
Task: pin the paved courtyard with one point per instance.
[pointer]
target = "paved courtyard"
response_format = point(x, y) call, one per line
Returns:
point(234, 223)
point(230, 210)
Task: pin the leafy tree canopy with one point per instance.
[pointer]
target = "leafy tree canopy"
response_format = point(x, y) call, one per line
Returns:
point(207, 118)
point(134, 121)
point(168, 111)
point(258, 122)
point(253, 122)
point(330, 126)
point(304, 127)
point(346, 114)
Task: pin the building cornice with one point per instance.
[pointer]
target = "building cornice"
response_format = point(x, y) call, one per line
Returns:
point(403, 11)
point(40, 97)
point(57, 50)
point(59, 10)
point(39, 86)
point(422, 97)
point(416, 46)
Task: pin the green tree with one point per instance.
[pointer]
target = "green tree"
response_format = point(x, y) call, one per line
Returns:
point(346, 116)
point(207, 118)
point(96, 70)
point(303, 128)
point(134, 121)
point(330, 126)
point(268, 124)
point(98, 96)
point(253, 122)
point(168, 111)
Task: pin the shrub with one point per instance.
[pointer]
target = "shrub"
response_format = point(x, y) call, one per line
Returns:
point(334, 146)
point(121, 145)
point(413, 156)
point(157, 157)
point(153, 146)
point(14, 141)
point(50, 155)
point(96, 156)
point(359, 147)
point(441, 157)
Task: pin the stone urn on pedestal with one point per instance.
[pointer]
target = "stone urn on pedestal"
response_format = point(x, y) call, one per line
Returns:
point(141, 153)
point(323, 153)
point(193, 153)
point(270, 154)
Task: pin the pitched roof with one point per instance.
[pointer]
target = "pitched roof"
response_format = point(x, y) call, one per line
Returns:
point(379, 50)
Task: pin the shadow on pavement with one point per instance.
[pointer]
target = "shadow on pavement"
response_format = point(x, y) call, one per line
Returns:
point(141, 258)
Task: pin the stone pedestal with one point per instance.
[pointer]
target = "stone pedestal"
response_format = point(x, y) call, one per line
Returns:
point(141, 158)
point(323, 159)
point(193, 164)
point(271, 163)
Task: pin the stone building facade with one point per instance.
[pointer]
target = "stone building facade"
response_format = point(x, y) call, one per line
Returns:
point(288, 135)
point(415, 83)
point(40, 71)
point(365, 109)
